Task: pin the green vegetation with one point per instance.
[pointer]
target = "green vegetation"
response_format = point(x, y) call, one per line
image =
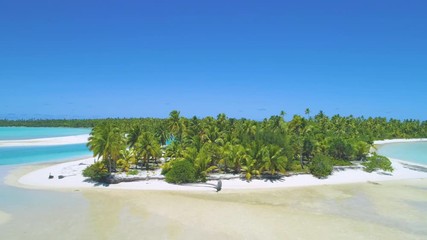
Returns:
point(321, 166)
point(73, 123)
point(133, 172)
point(377, 162)
point(274, 146)
point(182, 172)
point(96, 172)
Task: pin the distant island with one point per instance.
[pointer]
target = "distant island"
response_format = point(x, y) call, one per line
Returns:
point(189, 150)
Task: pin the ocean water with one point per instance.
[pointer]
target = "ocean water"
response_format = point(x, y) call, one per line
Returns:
point(19, 133)
point(22, 155)
point(37, 154)
point(412, 152)
point(27, 208)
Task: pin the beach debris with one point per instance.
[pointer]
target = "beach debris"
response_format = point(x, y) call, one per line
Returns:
point(219, 185)
point(50, 176)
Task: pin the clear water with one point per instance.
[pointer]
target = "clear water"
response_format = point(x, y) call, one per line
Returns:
point(31, 207)
point(19, 133)
point(21, 155)
point(413, 152)
point(36, 154)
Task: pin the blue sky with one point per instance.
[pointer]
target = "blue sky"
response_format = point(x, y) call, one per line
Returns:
point(247, 59)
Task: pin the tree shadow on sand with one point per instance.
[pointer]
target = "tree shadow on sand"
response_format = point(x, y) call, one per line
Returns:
point(273, 178)
point(96, 184)
point(217, 186)
point(414, 167)
point(266, 178)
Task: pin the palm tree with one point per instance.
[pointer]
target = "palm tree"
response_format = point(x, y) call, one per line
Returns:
point(106, 141)
point(250, 168)
point(134, 134)
point(174, 150)
point(227, 155)
point(127, 158)
point(162, 133)
point(307, 112)
point(203, 162)
point(298, 126)
point(234, 157)
point(147, 147)
point(176, 124)
point(273, 159)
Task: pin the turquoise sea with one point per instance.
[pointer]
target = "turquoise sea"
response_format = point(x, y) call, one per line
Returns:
point(19, 133)
point(20, 203)
point(34, 154)
point(21, 155)
point(412, 152)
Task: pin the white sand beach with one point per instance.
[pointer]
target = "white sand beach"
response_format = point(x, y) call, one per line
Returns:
point(73, 179)
point(45, 141)
point(400, 140)
point(37, 176)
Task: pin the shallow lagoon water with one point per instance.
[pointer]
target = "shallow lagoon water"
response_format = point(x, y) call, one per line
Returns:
point(353, 211)
point(20, 133)
point(413, 152)
point(35, 208)
point(33, 154)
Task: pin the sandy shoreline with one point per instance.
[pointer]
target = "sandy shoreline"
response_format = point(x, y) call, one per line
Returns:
point(400, 140)
point(36, 176)
point(45, 141)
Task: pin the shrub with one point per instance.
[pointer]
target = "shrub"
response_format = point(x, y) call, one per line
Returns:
point(361, 149)
point(97, 171)
point(166, 167)
point(338, 162)
point(181, 172)
point(133, 172)
point(377, 162)
point(295, 166)
point(321, 166)
point(340, 149)
point(123, 165)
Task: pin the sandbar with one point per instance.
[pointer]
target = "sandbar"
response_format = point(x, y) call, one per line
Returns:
point(45, 141)
point(38, 177)
point(400, 140)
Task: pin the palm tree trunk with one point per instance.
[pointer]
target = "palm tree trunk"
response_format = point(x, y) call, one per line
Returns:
point(302, 165)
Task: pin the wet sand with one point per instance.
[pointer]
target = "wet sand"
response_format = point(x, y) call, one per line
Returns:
point(4, 217)
point(388, 210)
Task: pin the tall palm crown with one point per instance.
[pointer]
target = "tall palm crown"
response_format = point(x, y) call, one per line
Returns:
point(106, 141)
